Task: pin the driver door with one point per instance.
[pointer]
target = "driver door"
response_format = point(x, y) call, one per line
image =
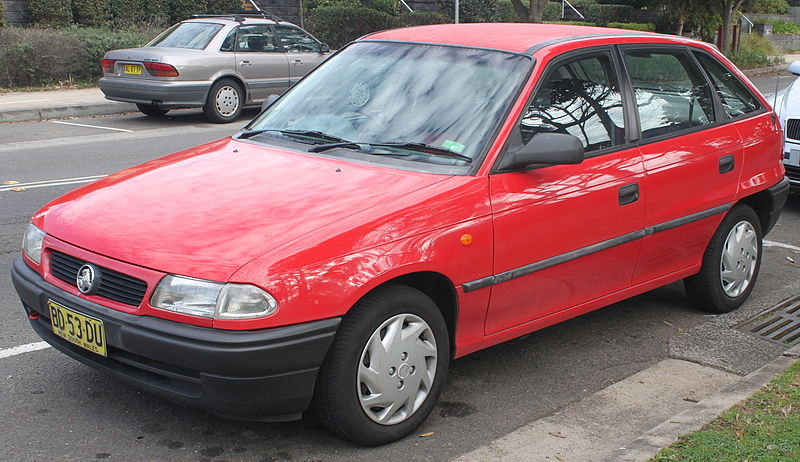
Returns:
point(568, 234)
point(259, 61)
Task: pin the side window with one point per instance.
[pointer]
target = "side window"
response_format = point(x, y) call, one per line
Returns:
point(228, 43)
point(256, 39)
point(580, 97)
point(671, 93)
point(295, 40)
point(735, 97)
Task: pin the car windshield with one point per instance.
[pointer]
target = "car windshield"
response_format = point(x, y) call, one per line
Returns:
point(429, 100)
point(195, 35)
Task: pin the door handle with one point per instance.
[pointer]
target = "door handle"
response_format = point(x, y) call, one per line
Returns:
point(629, 194)
point(726, 163)
point(246, 63)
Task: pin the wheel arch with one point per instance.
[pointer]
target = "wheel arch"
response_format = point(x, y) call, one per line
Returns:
point(236, 78)
point(439, 288)
point(762, 203)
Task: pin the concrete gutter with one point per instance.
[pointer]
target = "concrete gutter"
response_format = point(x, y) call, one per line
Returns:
point(58, 104)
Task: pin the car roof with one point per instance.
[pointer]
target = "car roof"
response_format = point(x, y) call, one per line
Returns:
point(514, 37)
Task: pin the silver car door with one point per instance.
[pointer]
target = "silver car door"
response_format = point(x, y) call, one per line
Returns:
point(259, 61)
point(303, 51)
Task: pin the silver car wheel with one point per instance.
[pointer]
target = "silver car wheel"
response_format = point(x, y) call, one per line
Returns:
point(397, 369)
point(226, 101)
point(739, 259)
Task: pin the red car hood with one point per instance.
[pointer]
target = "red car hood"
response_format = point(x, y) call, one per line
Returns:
point(207, 211)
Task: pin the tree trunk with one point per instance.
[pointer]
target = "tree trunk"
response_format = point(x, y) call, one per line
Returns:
point(536, 11)
point(729, 10)
point(521, 9)
point(679, 27)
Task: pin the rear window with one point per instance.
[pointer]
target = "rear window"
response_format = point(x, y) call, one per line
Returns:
point(194, 35)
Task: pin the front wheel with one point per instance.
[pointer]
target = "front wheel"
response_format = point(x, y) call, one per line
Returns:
point(730, 264)
point(386, 367)
point(224, 102)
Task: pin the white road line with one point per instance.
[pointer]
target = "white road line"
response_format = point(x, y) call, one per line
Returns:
point(49, 183)
point(92, 126)
point(781, 245)
point(25, 101)
point(18, 350)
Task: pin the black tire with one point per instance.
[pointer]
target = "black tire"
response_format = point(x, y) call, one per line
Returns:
point(705, 289)
point(337, 395)
point(231, 101)
point(152, 110)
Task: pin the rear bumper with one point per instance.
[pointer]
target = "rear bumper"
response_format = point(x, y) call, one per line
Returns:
point(166, 94)
point(265, 375)
point(777, 196)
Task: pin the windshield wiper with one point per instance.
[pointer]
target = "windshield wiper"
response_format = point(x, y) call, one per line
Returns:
point(420, 147)
point(309, 133)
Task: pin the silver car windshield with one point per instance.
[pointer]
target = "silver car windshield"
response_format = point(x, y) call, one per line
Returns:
point(195, 35)
point(449, 99)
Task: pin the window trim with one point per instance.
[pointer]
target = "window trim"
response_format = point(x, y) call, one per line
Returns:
point(278, 48)
point(279, 41)
point(513, 139)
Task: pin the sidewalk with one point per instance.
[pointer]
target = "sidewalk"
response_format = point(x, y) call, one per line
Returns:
point(41, 105)
point(631, 420)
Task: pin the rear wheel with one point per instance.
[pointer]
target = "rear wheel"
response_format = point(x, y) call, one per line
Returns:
point(386, 367)
point(730, 264)
point(152, 110)
point(224, 102)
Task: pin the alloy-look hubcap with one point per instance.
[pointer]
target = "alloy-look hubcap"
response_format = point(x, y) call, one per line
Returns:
point(397, 369)
point(739, 257)
point(227, 100)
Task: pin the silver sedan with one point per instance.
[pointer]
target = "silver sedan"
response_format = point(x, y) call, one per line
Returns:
point(219, 63)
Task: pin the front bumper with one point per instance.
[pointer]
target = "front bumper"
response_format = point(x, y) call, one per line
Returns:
point(265, 375)
point(163, 93)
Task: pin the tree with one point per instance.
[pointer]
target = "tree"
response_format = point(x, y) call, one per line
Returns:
point(533, 12)
point(728, 11)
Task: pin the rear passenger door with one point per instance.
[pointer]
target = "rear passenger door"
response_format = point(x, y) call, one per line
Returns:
point(568, 234)
point(303, 51)
point(692, 157)
point(260, 62)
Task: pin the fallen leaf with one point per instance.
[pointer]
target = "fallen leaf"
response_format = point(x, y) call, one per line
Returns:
point(691, 400)
point(790, 259)
point(10, 182)
point(557, 434)
point(670, 325)
point(559, 458)
point(425, 435)
point(18, 189)
point(740, 433)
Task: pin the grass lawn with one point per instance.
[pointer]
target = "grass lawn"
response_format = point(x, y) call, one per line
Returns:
point(764, 428)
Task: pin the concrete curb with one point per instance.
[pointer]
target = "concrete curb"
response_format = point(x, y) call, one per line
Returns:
point(60, 112)
point(648, 444)
point(765, 70)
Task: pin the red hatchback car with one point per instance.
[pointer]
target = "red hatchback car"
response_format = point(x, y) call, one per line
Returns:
point(425, 193)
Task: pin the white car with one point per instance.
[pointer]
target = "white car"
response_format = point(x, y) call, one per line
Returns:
point(788, 108)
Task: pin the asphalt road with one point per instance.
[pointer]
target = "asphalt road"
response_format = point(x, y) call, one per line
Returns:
point(53, 408)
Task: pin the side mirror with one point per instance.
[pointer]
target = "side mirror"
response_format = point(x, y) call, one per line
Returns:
point(324, 48)
point(268, 101)
point(794, 68)
point(547, 149)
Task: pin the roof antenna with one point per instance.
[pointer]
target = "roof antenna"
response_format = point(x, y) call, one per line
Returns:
point(256, 6)
point(775, 99)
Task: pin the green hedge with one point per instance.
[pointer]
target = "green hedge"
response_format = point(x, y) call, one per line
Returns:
point(469, 10)
point(51, 13)
point(339, 25)
point(785, 27)
point(642, 26)
point(570, 23)
point(2, 15)
point(604, 14)
point(422, 18)
point(92, 13)
point(34, 56)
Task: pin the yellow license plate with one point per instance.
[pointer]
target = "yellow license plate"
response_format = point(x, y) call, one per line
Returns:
point(78, 328)
point(133, 69)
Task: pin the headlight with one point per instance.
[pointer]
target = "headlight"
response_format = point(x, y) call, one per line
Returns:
point(212, 299)
point(32, 243)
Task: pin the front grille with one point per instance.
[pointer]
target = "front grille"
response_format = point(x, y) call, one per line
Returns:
point(113, 285)
point(793, 129)
point(792, 171)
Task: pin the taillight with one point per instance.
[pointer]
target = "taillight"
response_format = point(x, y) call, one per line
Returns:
point(161, 70)
point(107, 65)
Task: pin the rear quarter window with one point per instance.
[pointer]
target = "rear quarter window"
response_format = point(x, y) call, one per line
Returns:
point(733, 94)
